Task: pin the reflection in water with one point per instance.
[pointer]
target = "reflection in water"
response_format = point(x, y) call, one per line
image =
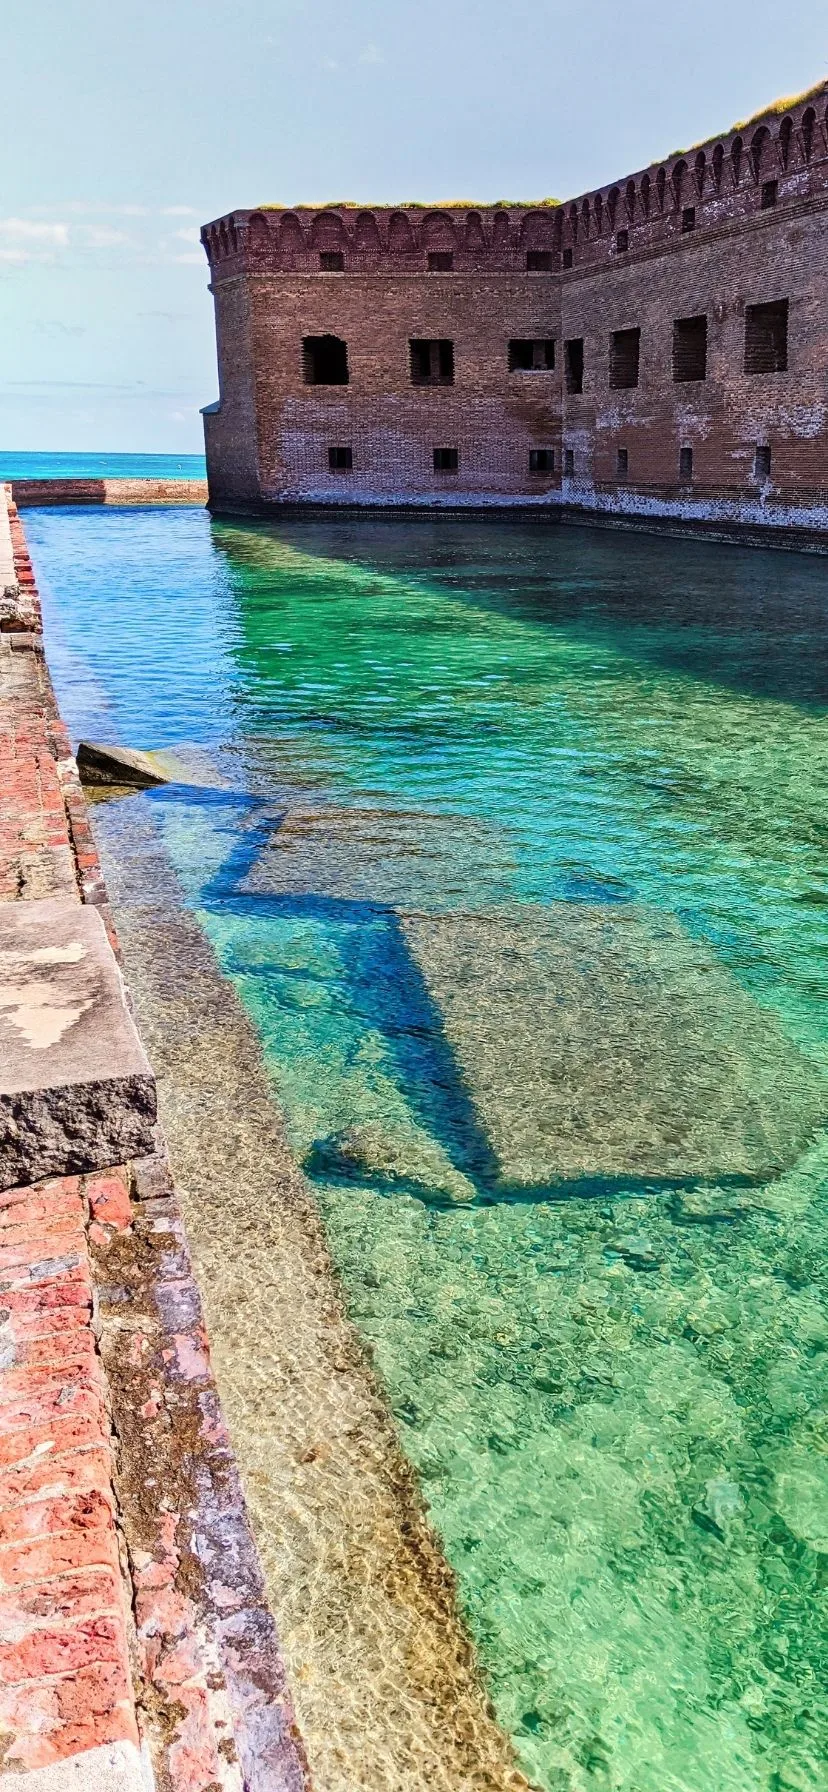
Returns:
point(520, 872)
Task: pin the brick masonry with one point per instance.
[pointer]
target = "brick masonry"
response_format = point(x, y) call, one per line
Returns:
point(28, 492)
point(732, 223)
point(136, 1644)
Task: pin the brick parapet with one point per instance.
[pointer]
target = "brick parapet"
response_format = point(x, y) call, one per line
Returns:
point(136, 1645)
point(721, 179)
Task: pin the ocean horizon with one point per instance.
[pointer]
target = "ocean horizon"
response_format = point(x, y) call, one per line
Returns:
point(31, 465)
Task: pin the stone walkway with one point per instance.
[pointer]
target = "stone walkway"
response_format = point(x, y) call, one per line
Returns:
point(136, 1646)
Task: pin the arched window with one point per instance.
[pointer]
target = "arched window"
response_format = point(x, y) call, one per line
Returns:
point(585, 217)
point(259, 233)
point(328, 232)
point(629, 200)
point(438, 233)
point(699, 172)
point(785, 135)
point(367, 239)
point(757, 149)
point(536, 230)
point(291, 240)
point(661, 188)
point(645, 194)
point(598, 213)
point(718, 162)
point(234, 236)
point(501, 234)
point(400, 234)
point(736, 148)
point(612, 206)
point(807, 129)
point(475, 234)
point(573, 224)
point(677, 182)
point(224, 240)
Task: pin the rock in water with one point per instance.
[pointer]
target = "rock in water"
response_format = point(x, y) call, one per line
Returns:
point(117, 765)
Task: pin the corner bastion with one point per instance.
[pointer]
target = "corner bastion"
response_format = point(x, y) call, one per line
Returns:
point(651, 353)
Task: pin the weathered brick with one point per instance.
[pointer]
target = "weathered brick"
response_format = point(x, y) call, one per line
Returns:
point(701, 235)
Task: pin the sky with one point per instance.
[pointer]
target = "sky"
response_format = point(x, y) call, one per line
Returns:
point(125, 126)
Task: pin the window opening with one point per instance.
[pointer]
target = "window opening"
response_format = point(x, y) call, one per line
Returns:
point(567, 258)
point(440, 261)
point(574, 364)
point(622, 463)
point(766, 337)
point(569, 463)
point(625, 351)
point(331, 261)
point(770, 191)
point(622, 241)
point(324, 361)
point(541, 460)
point(688, 219)
point(685, 465)
point(340, 460)
point(432, 361)
point(539, 261)
point(531, 354)
point(762, 461)
point(690, 348)
point(446, 460)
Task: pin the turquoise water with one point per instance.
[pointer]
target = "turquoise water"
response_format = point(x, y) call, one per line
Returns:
point(102, 466)
point(520, 870)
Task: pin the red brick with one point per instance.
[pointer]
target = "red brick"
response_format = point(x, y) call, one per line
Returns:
point(39, 1559)
point(109, 1201)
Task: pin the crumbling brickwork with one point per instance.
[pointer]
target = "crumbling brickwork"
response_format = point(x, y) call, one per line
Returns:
point(654, 350)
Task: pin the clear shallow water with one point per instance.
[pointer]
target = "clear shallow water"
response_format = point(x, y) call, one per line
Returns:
point(102, 466)
point(522, 878)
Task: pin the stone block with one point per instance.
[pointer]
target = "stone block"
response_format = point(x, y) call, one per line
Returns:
point(99, 764)
point(76, 1091)
point(604, 1046)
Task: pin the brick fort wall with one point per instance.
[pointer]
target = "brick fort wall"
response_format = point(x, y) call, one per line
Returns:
point(656, 350)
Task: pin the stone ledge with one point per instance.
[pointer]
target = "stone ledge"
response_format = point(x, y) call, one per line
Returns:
point(76, 1090)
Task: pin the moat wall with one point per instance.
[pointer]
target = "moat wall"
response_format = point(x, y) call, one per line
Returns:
point(733, 442)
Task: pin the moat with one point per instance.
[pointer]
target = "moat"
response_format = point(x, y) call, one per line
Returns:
point(511, 842)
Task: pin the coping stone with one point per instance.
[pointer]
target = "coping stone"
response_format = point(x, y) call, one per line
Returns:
point(99, 764)
point(8, 577)
point(76, 1089)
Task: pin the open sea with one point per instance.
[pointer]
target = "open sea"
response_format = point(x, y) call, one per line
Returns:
point(513, 842)
point(102, 466)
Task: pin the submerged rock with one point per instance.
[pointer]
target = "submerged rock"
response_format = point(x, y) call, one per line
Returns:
point(99, 764)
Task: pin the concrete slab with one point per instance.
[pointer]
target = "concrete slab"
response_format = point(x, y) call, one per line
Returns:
point(605, 1044)
point(387, 858)
point(99, 764)
point(76, 1090)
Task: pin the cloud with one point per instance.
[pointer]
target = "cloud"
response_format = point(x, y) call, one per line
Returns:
point(178, 211)
point(54, 326)
point(102, 236)
point(103, 208)
point(20, 232)
point(371, 54)
point(189, 236)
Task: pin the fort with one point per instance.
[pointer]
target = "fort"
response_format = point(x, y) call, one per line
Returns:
point(653, 353)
